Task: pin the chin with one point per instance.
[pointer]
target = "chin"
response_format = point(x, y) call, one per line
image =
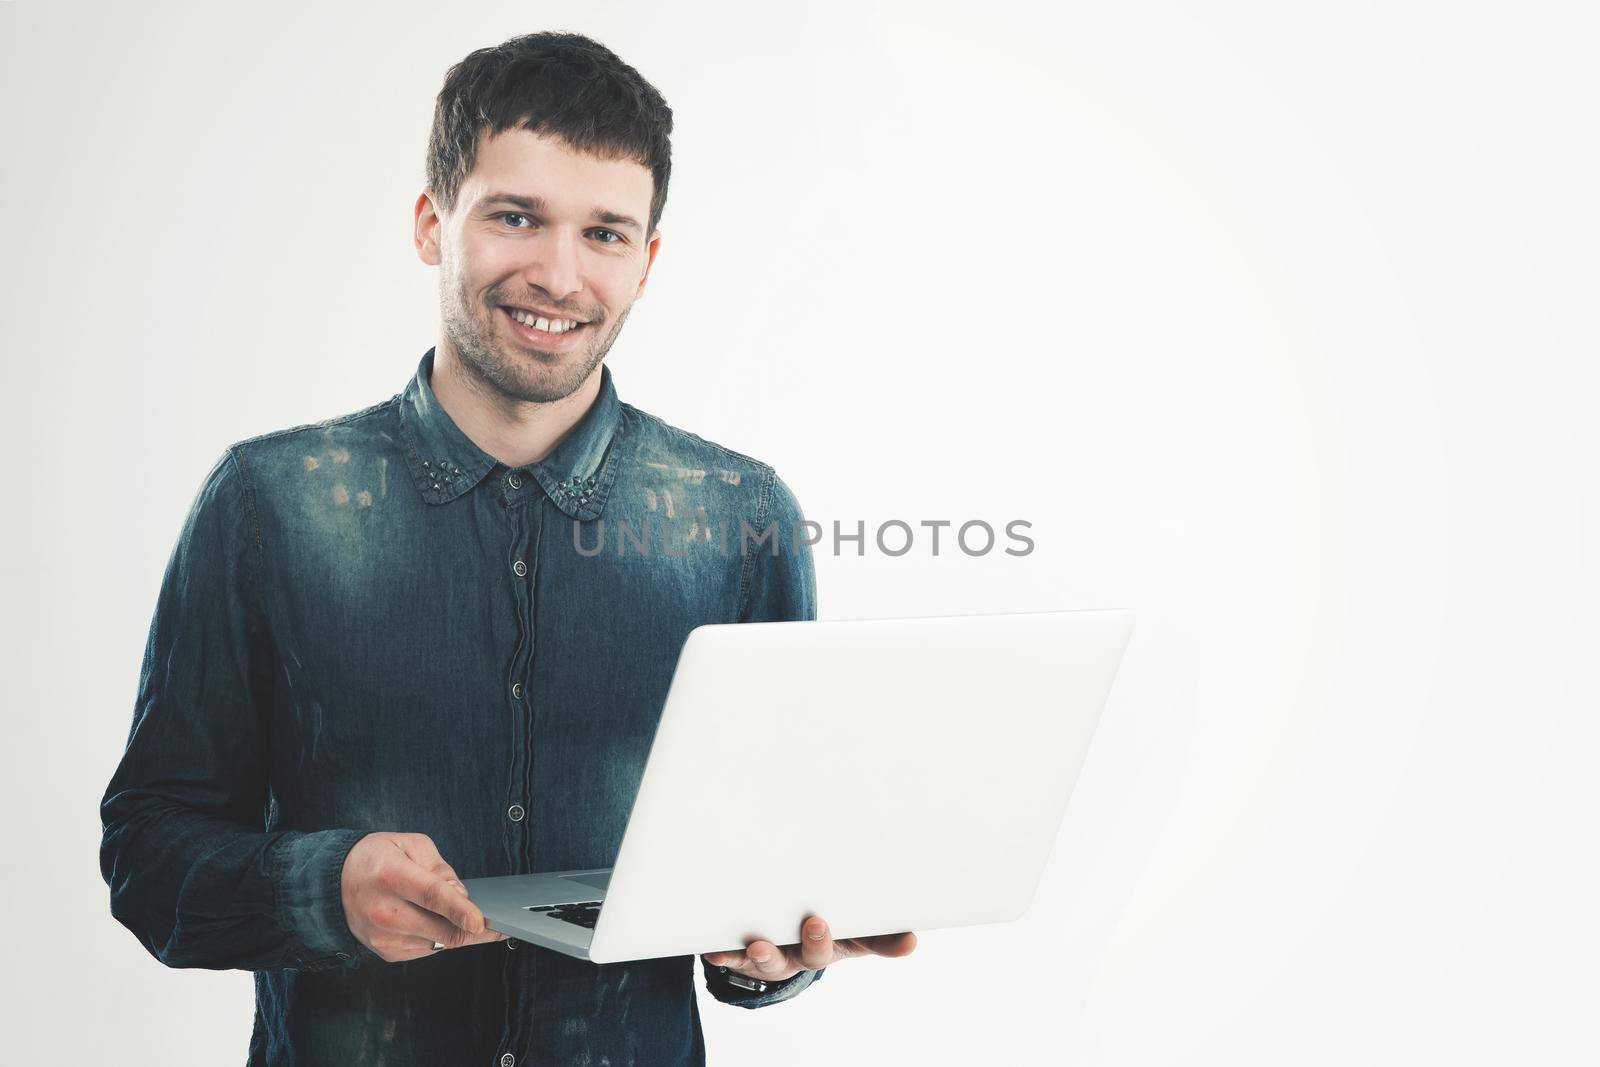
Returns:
point(549, 377)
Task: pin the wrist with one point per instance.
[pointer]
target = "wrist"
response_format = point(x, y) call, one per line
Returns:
point(740, 982)
point(307, 871)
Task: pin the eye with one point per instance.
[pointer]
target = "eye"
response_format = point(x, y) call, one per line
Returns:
point(613, 233)
point(508, 215)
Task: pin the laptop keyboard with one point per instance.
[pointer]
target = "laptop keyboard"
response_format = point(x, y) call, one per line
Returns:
point(584, 914)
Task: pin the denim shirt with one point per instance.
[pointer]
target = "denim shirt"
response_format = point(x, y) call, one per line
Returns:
point(368, 623)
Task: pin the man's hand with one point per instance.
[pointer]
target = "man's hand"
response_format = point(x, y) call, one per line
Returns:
point(401, 898)
point(816, 950)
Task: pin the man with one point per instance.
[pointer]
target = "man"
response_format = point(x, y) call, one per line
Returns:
point(386, 655)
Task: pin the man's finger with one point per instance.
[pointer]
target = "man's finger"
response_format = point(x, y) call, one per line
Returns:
point(409, 947)
point(426, 854)
point(420, 849)
point(488, 937)
point(420, 922)
point(766, 957)
point(816, 944)
point(891, 945)
point(439, 896)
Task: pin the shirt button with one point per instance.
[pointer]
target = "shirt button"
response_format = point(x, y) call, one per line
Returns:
point(507, 1060)
point(342, 955)
point(516, 690)
point(521, 569)
point(515, 482)
point(515, 812)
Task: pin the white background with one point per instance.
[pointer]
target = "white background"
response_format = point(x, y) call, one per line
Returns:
point(1279, 330)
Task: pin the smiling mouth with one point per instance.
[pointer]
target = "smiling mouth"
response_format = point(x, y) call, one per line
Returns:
point(550, 324)
point(541, 331)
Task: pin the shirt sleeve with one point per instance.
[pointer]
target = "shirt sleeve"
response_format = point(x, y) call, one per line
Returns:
point(780, 582)
point(727, 993)
point(781, 587)
point(192, 869)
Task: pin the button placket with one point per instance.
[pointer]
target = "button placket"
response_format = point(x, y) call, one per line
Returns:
point(524, 516)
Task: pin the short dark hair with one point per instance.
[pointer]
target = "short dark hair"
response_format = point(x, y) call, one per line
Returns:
point(564, 84)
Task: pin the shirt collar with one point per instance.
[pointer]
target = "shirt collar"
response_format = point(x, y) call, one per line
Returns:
point(445, 463)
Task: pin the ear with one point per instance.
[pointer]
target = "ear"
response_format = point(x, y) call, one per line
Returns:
point(650, 257)
point(425, 229)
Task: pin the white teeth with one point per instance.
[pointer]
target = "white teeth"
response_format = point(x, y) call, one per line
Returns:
point(541, 323)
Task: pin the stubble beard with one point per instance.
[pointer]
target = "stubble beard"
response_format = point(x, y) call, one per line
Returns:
point(509, 369)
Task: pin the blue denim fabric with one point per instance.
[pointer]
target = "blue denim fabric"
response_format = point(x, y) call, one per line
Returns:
point(368, 623)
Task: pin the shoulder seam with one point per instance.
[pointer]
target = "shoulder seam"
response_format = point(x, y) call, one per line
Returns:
point(691, 436)
point(336, 420)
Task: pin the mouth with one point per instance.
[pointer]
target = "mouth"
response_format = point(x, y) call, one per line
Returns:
point(542, 332)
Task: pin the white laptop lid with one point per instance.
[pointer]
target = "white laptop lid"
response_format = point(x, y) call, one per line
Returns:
point(888, 775)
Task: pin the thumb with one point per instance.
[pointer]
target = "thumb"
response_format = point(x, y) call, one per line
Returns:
point(421, 849)
point(439, 896)
point(460, 909)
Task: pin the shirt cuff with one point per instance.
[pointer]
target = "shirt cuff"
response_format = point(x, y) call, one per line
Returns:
point(307, 874)
point(728, 993)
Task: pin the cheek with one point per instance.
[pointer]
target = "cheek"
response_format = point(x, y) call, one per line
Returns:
point(613, 286)
point(482, 264)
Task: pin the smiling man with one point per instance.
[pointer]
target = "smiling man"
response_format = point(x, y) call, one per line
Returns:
point(380, 663)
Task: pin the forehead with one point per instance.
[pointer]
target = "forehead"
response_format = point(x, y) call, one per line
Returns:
point(530, 164)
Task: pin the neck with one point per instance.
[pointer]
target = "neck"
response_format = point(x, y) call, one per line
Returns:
point(515, 432)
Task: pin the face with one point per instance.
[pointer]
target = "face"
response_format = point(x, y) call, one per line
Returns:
point(538, 230)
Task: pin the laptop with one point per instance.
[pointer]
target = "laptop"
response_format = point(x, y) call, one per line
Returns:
point(930, 760)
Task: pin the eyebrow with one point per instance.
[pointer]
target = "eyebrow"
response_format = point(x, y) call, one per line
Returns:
point(536, 205)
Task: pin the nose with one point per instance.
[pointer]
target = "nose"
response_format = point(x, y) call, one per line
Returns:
point(553, 265)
